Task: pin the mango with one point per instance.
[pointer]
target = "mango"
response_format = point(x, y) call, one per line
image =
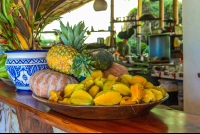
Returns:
point(108, 85)
point(96, 74)
point(69, 89)
point(80, 87)
point(148, 85)
point(111, 77)
point(66, 101)
point(122, 89)
point(108, 98)
point(81, 98)
point(138, 79)
point(93, 91)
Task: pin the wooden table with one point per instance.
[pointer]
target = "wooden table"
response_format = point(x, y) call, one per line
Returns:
point(35, 117)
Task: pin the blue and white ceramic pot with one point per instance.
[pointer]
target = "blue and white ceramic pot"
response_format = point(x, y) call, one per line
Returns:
point(20, 65)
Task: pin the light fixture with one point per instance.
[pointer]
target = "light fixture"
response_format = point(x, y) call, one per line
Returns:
point(100, 5)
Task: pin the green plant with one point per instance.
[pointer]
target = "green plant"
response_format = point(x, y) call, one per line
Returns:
point(73, 36)
point(21, 23)
point(3, 72)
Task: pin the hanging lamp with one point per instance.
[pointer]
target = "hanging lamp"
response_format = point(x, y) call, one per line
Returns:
point(100, 5)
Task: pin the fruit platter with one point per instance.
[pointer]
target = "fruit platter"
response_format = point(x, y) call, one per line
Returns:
point(90, 85)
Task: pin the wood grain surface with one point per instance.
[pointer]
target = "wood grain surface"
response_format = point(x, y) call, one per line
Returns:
point(157, 121)
point(101, 112)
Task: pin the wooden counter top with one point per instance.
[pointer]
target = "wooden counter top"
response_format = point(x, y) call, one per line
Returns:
point(157, 121)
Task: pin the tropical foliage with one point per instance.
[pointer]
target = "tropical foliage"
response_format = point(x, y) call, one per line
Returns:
point(21, 22)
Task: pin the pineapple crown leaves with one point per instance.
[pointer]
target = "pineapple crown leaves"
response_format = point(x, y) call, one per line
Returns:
point(82, 65)
point(73, 36)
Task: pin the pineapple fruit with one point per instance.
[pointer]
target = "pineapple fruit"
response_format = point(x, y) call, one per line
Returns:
point(67, 58)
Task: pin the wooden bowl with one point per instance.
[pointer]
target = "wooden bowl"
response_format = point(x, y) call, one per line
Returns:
point(102, 112)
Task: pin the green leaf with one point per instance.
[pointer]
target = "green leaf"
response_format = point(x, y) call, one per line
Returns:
point(6, 5)
point(3, 18)
point(63, 29)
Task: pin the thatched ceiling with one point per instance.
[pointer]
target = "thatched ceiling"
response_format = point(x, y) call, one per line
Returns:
point(66, 7)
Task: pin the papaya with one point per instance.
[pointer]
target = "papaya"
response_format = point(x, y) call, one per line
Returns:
point(147, 96)
point(80, 87)
point(136, 92)
point(148, 85)
point(66, 101)
point(158, 94)
point(55, 96)
point(122, 89)
point(127, 101)
point(69, 89)
point(108, 85)
point(108, 98)
point(138, 79)
point(81, 98)
point(96, 74)
point(93, 91)
point(89, 84)
point(111, 77)
point(126, 79)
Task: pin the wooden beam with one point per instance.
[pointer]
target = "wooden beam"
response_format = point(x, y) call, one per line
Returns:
point(161, 13)
point(175, 11)
point(139, 15)
point(112, 24)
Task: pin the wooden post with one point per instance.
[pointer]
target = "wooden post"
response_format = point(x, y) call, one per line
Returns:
point(175, 11)
point(139, 27)
point(139, 15)
point(161, 13)
point(112, 24)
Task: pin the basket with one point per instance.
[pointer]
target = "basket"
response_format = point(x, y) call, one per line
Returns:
point(8, 81)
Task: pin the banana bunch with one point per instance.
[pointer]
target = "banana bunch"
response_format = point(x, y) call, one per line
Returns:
point(73, 36)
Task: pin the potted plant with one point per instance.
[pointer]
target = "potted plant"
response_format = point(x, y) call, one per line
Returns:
point(20, 24)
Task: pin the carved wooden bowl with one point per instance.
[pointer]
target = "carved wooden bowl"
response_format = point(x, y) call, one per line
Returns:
point(102, 112)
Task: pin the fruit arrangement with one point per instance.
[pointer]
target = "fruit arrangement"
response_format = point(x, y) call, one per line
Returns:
point(99, 90)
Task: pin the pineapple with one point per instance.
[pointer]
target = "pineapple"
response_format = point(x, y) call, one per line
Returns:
point(60, 58)
point(67, 58)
